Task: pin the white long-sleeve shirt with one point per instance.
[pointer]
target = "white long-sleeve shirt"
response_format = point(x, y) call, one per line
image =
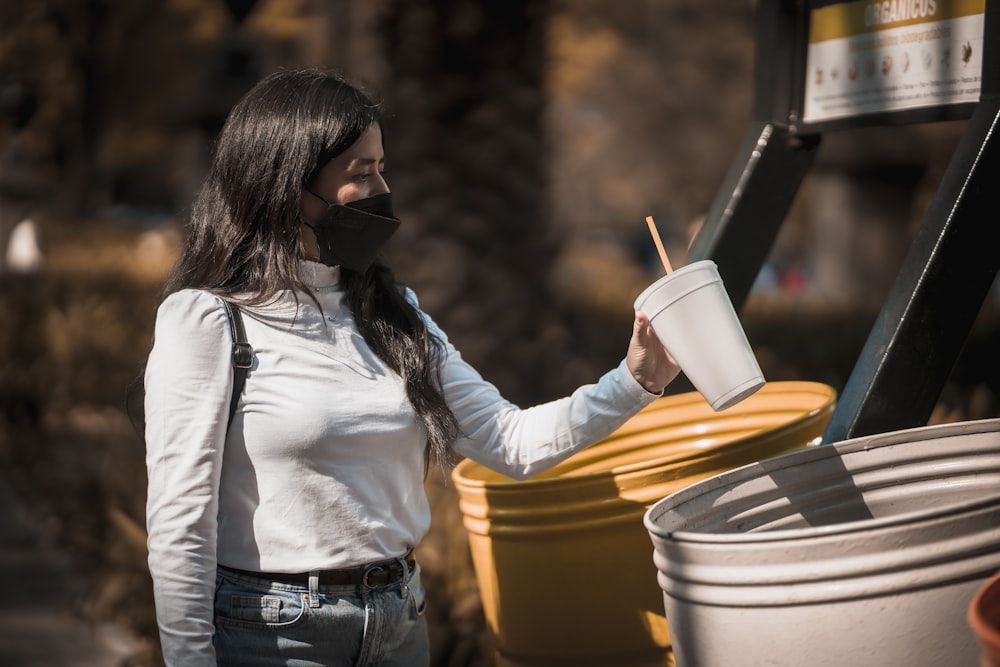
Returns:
point(323, 465)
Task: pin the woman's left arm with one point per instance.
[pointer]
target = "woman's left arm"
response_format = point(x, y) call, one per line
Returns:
point(524, 442)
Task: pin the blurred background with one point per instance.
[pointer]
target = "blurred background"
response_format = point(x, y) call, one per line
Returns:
point(526, 142)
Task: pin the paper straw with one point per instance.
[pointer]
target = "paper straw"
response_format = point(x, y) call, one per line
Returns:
point(659, 243)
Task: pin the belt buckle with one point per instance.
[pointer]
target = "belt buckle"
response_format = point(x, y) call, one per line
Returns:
point(368, 571)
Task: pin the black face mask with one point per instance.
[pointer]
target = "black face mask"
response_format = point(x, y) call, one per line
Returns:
point(351, 235)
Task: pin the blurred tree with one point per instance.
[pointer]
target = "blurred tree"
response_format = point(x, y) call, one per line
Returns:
point(466, 105)
point(103, 70)
point(240, 9)
point(120, 83)
point(18, 103)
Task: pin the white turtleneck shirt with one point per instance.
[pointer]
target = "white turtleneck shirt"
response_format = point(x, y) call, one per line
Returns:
point(323, 464)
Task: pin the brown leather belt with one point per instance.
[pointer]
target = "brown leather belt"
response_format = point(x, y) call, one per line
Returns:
point(372, 575)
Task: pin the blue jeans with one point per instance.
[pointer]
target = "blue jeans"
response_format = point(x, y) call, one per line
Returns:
point(270, 624)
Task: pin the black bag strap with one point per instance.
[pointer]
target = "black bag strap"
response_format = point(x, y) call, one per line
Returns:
point(242, 354)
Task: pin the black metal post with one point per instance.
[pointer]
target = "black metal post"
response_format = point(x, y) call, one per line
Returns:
point(940, 289)
point(933, 304)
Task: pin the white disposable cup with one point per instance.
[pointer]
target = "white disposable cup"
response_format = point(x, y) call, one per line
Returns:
point(694, 318)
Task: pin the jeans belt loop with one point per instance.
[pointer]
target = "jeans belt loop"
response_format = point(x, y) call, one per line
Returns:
point(314, 589)
point(404, 588)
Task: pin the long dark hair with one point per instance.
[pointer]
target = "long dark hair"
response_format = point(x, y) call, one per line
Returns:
point(243, 236)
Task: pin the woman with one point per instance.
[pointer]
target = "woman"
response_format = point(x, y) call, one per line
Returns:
point(285, 536)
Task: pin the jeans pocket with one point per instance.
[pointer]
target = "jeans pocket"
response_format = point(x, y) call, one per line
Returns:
point(418, 596)
point(256, 608)
point(240, 605)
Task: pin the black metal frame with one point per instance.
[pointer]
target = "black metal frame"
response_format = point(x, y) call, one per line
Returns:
point(952, 262)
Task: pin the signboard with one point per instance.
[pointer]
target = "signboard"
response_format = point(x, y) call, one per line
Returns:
point(870, 57)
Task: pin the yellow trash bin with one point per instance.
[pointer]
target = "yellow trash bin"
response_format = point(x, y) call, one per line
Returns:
point(563, 561)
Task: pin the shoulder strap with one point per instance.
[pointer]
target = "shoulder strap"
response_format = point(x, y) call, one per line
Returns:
point(242, 354)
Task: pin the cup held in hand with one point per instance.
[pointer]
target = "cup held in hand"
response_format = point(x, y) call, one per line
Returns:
point(693, 317)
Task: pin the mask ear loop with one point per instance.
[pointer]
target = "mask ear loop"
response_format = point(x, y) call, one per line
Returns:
point(303, 220)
